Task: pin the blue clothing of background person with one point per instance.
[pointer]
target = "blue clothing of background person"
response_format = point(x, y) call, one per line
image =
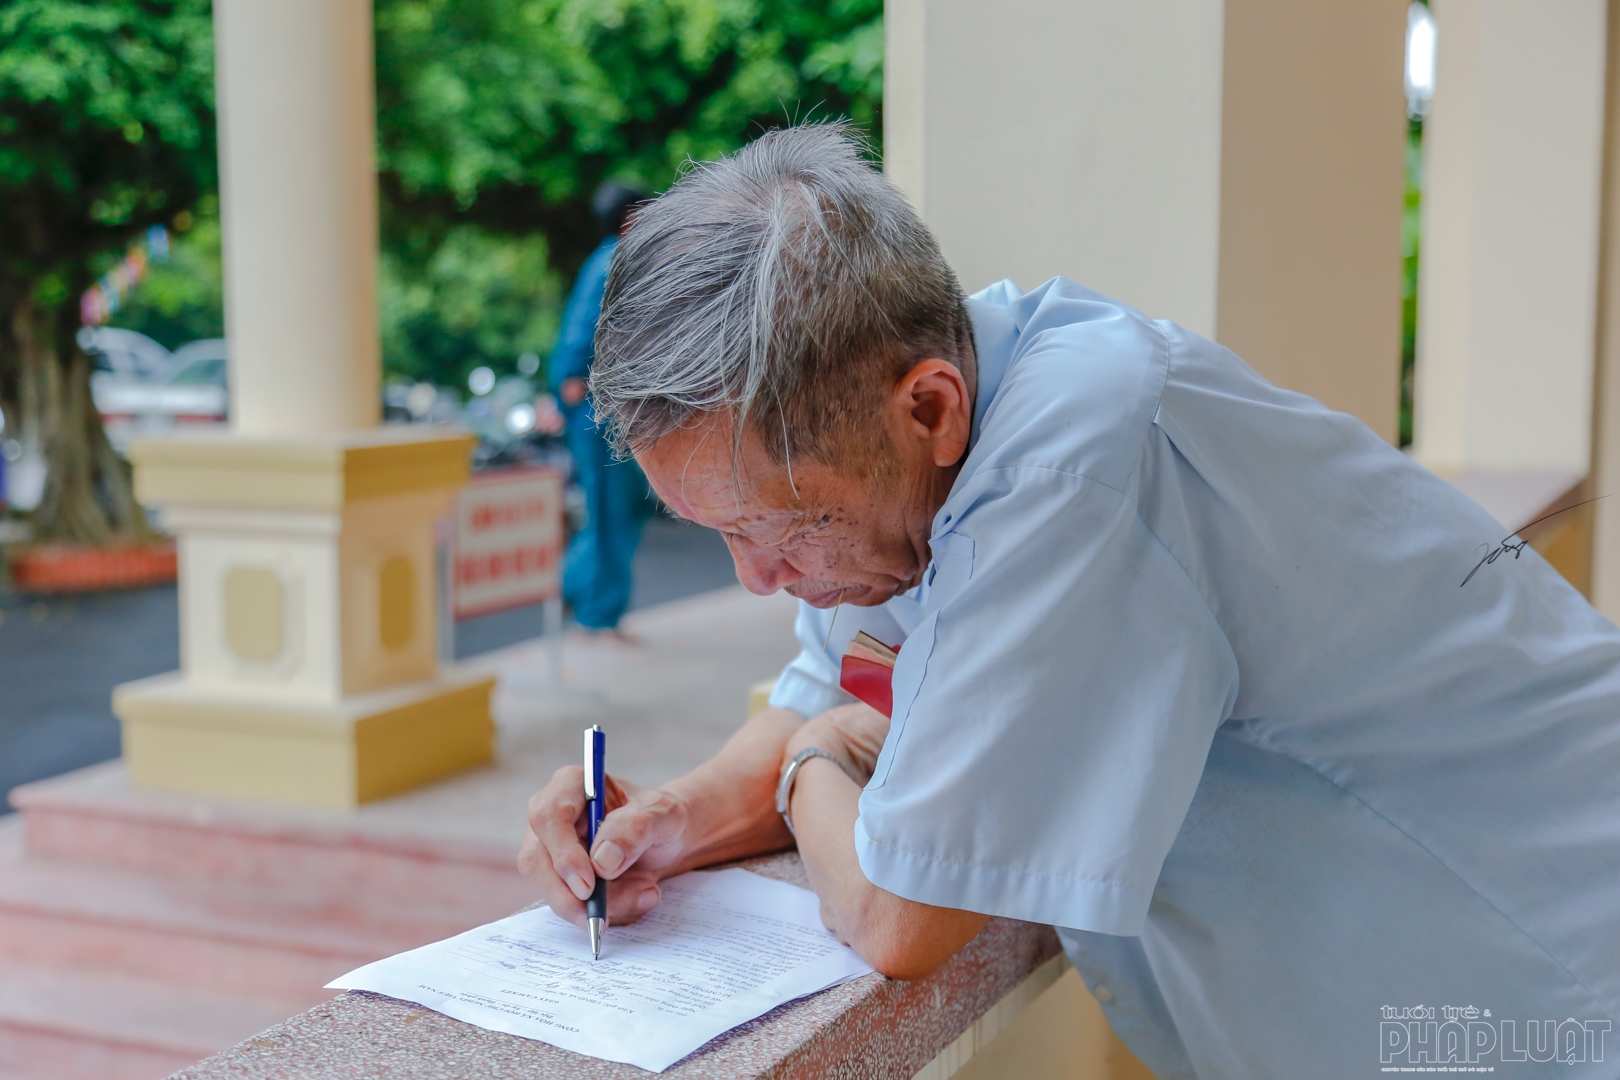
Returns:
point(596, 567)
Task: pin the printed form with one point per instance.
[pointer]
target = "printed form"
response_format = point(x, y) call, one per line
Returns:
point(720, 949)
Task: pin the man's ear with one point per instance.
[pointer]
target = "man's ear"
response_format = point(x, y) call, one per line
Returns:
point(934, 410)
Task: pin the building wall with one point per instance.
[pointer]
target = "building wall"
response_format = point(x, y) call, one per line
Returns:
point(1236, 167)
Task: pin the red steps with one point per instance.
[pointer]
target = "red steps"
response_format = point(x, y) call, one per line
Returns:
point(57, 1023)
point(138, 935)
point(271, 847)
point(198, 933)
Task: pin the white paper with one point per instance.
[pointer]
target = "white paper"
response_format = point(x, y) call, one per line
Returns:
point(720, 949)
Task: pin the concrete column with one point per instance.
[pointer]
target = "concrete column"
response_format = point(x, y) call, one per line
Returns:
point(1234, 166)
point(309, 661)
point(1512, 154)
point(298, 189)
point(1605, 592)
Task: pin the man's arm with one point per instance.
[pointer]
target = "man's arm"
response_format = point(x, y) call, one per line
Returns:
point(724, 809)
point(901, 938)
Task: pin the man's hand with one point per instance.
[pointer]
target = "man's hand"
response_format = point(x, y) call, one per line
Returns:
point(724, 809)
point(640, 839)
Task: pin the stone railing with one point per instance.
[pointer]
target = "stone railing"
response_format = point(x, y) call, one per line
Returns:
point(869, 1029)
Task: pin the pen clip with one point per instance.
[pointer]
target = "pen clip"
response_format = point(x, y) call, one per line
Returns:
point(590, 762)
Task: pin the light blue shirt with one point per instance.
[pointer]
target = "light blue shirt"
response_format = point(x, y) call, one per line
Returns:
point(1192, 676)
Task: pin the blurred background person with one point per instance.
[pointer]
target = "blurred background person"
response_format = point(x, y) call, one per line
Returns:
point(596, 567)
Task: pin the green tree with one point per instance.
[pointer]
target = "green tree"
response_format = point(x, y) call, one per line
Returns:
point(497, 119)
point(106, 128)
point(183, 297)
point(467, 297)
point(1411, 243)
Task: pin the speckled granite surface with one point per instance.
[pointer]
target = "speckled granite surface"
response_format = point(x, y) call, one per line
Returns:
point(869, 1029)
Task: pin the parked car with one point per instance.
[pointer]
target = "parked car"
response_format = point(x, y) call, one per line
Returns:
point(141, 388)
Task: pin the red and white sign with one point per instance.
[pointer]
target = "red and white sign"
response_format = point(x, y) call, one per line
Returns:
point(506, 549)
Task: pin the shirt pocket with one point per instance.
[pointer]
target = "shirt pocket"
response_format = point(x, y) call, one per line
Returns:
point(946, 576)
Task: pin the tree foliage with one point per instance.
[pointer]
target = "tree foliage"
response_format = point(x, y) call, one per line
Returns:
point(454, 300)
point(498, 118)
point(496, 121)
point(183, 297)
point(106, 128)
point(1411, 242)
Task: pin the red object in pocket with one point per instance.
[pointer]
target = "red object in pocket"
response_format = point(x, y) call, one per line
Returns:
point(868, 681)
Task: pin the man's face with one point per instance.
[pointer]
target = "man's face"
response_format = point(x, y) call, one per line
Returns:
point(837, 534)
point(821, 533)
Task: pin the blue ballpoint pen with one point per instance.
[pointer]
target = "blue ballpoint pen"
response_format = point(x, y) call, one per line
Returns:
point(596, 806)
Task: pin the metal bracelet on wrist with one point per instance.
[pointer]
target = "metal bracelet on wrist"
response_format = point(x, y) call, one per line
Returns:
point(790, 773)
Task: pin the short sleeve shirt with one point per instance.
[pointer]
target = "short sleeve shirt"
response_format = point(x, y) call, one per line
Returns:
point(1151, 552)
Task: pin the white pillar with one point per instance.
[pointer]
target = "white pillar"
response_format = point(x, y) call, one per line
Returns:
point(1073, 137)
point(1507, 298)
point(1234, 166)
point(309, 666)
point(299, 200)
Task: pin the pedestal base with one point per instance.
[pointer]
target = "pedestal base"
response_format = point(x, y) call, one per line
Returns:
point(367, 746)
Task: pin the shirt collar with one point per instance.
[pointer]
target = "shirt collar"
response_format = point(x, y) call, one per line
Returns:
point(994, 335)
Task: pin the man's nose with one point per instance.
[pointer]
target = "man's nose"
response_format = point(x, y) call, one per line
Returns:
point(762, 571)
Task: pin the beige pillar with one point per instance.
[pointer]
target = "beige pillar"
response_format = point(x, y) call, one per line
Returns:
point(298, 193)
point(1234, 166)
point(309, 668)
point(1512, 153)
point(1606, 413)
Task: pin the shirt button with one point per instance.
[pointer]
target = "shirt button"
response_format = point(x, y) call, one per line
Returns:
point(1102, 993)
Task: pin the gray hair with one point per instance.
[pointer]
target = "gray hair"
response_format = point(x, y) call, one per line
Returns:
point(790, 284)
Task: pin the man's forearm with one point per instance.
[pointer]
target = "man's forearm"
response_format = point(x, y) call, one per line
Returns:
point(901, 938)
point(730, 799)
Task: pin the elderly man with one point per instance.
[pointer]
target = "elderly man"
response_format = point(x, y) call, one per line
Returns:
point(1187, 667)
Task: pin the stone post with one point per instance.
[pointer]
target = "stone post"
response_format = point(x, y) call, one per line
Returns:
point(309, 667)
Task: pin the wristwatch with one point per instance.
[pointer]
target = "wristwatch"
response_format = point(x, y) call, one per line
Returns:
point(784, 786)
